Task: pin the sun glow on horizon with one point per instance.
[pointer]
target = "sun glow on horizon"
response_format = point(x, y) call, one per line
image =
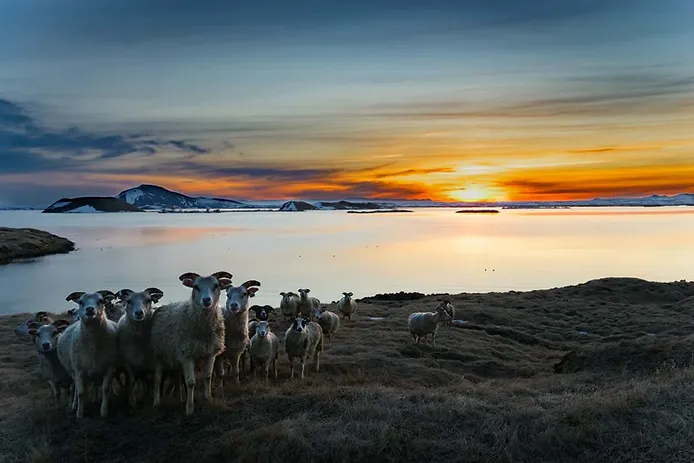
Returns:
point(477, 192)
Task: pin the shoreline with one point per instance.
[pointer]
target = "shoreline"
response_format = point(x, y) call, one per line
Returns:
point(30, 243)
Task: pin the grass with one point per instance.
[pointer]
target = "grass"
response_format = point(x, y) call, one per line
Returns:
point(598, 372)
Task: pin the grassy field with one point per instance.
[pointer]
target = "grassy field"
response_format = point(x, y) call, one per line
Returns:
point(597, 372)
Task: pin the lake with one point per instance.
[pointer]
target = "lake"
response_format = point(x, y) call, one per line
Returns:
point(429, 250)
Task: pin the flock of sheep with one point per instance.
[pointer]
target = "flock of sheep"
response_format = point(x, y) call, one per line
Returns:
point(124, 334)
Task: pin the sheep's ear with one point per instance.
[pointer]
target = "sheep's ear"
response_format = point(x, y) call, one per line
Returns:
point(188, 279)
point(252, 291)
point(61, 325)
point(283, 294)
point(155, 294)
point(269, 308)
point(105, 293)
point(40, 315)
point(75, 297)
point(222, 274)
point(224, 283)
point(249, 283)
point(32, 331)
point(350, 293)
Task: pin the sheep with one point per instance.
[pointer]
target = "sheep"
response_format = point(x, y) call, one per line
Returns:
point(422, 324)
point(446, 304)
point(302, 339)
point(307, 304)
point(114, 309)
point(289, 305)
point(88, 349)
point(262, 313)
point(45, 337)
point(133, 333)
point(328, 321)
point(187, 331)
point(42, 318)
point(347, 306)
point(264, 349)
point(236, 339)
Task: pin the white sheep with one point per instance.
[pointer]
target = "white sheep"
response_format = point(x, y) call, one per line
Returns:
point(328, 321)
point(421, 324)
point(302, 339)
point(133, 332)
point(187, 331)
point(45, 337)
point(289, 305)
point(307, 304)
point(265, 348)
point(88, 349)
point(236, 339)
point(347, 306)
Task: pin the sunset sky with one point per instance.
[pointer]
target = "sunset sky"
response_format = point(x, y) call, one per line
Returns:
point(313, 99)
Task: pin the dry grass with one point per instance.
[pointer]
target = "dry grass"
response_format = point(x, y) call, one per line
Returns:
point(27, 243)
point(598, 372)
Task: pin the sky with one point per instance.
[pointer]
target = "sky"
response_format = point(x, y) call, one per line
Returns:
point(448, 100)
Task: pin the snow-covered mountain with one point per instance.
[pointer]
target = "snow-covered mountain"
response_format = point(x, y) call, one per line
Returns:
point(156, 197)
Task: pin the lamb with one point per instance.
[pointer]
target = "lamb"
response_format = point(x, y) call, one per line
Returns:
point(446, 304)
point(307, 304)
point(45, 336)
point(187, 331)
point(264, 350)
point(133, 333)
point(88, 349)
point(289, 306)
point(421, 324)
point(328, 321)
point(236, 338)
point(302, 339)
point(347, 306)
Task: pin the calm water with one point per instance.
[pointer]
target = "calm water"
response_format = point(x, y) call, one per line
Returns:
point(430, 250)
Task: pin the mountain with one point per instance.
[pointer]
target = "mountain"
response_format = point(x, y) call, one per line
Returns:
point(346, 205)
point(156, 197)
point(297, 206)
point(91, 204)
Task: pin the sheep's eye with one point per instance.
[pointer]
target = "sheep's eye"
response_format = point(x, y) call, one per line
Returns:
point(216, 286)
point(196, 288)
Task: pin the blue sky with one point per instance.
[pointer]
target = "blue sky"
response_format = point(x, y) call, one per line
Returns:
point(339, 99)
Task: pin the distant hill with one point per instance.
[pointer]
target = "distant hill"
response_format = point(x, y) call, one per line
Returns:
point(346, 205)
point(156, 197)
point(91, 204)
point(297, 206)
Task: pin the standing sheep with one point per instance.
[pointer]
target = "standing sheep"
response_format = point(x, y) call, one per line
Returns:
point(45, 337)
point(302, 339)
point(347, 306)
point(449, 308)
point(289, 305)
point(88, 349)
point(328, 321)
point(133, 332)
point(307, 304)
point(422, 324)
point(265, 349)
point(236, 327)
point(114, 309)
point(187, 331)
point(262, 313)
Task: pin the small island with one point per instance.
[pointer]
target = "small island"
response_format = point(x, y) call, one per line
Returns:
point(27, 243)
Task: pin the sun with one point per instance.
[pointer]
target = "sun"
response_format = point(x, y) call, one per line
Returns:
point(476, 192)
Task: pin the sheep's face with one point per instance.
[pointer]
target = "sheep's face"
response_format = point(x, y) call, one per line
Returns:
point(91, 305)
point(299, 324)
point(138, 306)
point(288, 297)
point(262, 312)
point(206, 290)
point(238, 296)
point(304, 293)
point(262, 329)
point(74, 314)
point(348, 296)
point(443, 314)
point(46, 336)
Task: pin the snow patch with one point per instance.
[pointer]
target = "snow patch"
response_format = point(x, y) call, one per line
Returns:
point(132, 195)
point(85, 209)
point(60, 204)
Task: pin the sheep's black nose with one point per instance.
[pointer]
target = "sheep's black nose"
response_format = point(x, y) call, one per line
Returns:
point(90, 310)
point(206, 301)
point(46, 346)
point(139, 313)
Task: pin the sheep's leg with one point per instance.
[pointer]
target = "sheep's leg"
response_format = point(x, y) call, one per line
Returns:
point(303, 365)
point(219, 370)
point(81, 394)
point(156, 386)
point(235, 368)
point(291, 366)
point(54, 393)
point(274, 365)
point(189, 374)
point(207, 369)
point(131, 388)
point(316, 359)
point(74, 394)
point(105, 387)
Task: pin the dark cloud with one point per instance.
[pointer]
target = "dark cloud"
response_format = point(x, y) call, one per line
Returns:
point(27, 146)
